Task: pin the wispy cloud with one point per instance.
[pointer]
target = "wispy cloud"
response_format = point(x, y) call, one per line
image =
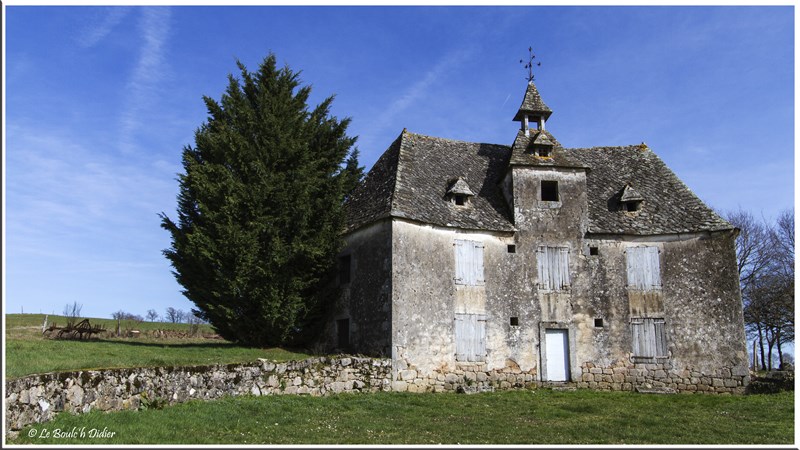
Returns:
point(149, 70)
point(95, 31)
point(422, 87)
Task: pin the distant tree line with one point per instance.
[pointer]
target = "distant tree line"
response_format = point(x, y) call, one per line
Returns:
point(765, 255)
point(171, 315)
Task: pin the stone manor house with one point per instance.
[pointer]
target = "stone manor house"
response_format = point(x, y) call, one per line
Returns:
point(467, 262)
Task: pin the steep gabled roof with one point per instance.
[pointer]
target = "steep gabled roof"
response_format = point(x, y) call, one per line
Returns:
point(671, 207)
point(412, 177)
point(411, 180)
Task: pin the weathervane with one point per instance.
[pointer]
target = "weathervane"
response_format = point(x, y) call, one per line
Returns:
point(529, 65)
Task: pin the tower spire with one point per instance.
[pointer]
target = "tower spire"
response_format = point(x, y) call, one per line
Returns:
point(533, 107)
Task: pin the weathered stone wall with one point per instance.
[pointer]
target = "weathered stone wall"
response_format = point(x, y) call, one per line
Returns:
point(38, 398)
point(425, 300)
point(365, 299)
point(699, 301)
point(626, 376)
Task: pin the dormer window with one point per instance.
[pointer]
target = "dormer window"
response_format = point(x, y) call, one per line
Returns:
point(632, 206)
point(630, 199)
point(543, 152)
point(458, 192)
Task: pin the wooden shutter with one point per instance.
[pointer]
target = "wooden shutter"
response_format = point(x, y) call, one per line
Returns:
point(644, 269)
point(470, 336)
point(469, 262)
point(649, 338)
point(553, 264)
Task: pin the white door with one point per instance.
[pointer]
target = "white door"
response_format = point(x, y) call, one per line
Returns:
point(557, 351)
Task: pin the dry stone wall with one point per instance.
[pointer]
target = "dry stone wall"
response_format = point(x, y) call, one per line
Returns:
point(662, 377)
point(38, 398)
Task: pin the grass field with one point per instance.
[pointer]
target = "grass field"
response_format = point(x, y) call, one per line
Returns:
point(28, 352)
point(511, 417)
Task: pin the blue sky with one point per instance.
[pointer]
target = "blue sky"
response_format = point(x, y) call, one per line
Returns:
point(100, 102)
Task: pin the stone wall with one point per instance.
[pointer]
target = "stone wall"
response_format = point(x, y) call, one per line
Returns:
point(38, 398)
point(662, 377)
point(464, 377)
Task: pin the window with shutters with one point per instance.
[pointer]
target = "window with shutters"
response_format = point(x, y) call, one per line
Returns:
point(644, 270)
point(553, 263)
point(649, 338)
point(470, 337)
point(469, 262)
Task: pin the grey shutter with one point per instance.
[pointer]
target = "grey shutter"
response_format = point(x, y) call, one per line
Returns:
point(469, 262)
point(461, 259)
point(553, 264)
point(462, 331)
point(649, 337)
point(477, 253)
point(544, 272)
point(470, 336)
point(644, 269)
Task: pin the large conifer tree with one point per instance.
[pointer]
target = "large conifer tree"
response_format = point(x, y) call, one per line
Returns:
point(260, 207)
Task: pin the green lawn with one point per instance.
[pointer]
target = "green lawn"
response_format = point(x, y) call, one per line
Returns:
point(28, 352)
point(511, 417)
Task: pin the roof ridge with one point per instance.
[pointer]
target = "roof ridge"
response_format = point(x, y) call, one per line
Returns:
point(613, 147)
point(453, 140)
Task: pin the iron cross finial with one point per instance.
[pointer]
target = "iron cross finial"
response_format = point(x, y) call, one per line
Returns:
point(530, 63)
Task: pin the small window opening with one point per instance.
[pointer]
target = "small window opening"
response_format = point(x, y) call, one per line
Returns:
point(594, 251)
point(460, 199)
point(544, 151)
point(512, 248)
point(598, 322)
point(344, 269)
point(549, 191)
point(514, 321)
point(343, 333)
point(633, 206)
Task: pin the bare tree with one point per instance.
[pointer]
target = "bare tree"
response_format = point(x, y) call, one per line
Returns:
point(152, 315)
point(175, 315)
point(72, 312)
point(765, 256)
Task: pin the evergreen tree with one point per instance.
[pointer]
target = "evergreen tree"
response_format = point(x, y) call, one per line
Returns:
point(260, 207)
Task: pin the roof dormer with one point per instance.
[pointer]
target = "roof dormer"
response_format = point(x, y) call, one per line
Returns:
point(459, 192)
point(630, 199)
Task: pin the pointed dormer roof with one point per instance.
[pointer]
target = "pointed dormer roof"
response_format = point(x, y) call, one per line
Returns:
point(532, 104)
point(629, 194)
point(460, 186)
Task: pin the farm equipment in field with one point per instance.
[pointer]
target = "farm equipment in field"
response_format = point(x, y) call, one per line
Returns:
point(81, 330)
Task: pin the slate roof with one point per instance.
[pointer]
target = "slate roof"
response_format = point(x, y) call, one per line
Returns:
point(669, 206)
point(412, 177)
point(411, 180)
point(532, 104)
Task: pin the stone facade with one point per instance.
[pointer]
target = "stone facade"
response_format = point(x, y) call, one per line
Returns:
point(591, 266)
